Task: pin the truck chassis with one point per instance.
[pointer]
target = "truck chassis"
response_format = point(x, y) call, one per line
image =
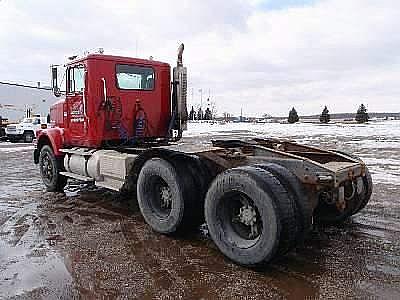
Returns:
point(259, 197)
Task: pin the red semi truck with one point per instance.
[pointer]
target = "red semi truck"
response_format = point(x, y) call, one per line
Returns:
point(119, 125)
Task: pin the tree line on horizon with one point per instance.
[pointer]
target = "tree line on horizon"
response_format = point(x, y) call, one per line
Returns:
point(361, 115)
point(200, 115)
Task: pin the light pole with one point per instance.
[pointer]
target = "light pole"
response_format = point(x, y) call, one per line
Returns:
point(201, 98)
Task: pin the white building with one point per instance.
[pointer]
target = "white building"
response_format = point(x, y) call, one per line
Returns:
point(15, 99)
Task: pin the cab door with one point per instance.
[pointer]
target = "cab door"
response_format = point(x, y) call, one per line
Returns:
point(76, 106)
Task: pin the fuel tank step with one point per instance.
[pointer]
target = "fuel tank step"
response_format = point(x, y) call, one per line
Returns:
point(76, 176)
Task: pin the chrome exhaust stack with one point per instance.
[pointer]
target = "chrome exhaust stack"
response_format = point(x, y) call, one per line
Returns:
point(179, 95)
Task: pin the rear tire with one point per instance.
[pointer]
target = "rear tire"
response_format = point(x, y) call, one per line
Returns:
point(250, 216)
point(368, 184)
point(50, 168)
point(298, 194)
point(328, 214)
point(165, 196)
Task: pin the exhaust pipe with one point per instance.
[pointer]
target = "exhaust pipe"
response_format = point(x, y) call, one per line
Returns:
point(179, 62)
point(179, 95)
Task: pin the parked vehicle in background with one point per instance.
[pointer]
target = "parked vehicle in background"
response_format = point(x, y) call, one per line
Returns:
point(3, 124)
point(25, 130)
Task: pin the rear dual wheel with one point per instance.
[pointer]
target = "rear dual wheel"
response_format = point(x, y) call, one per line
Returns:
point(366, 195)
point(328, 213)
point(298, 195)
point(168, 197)
point(367, 181)
point(250, 215)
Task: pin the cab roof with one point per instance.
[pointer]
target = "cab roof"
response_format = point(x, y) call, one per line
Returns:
point(119, 59)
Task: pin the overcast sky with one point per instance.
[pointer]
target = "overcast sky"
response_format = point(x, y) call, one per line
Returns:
point(262, 56)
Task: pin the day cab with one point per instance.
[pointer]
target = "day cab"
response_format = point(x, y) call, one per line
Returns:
point(109, 99)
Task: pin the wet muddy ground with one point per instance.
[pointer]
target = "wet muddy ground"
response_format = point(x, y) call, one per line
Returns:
point(91, 243)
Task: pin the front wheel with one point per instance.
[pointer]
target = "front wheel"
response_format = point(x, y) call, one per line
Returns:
point(28, 137)
point(50, 168)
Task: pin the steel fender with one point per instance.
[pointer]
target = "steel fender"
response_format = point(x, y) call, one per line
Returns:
point(53, 137)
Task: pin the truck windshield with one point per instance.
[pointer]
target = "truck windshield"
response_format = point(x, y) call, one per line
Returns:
point(135, 77)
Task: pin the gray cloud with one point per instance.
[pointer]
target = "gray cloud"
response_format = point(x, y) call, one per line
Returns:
point(334, 52)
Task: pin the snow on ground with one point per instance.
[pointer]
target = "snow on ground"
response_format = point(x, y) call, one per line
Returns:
point(377, 143)
point(378, 129)
point(12, 147)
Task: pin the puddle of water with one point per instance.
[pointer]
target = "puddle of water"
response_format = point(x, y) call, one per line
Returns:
point(27, 266)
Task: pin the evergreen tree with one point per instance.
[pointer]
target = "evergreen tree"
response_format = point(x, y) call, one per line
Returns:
point(293, 117)
point(362, 115)
point(207, 114)
point(192, 114)
point(267, 116)
point(325, 117)
point(200, 114)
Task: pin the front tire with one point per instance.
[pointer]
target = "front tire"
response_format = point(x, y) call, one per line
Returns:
point(28, 137)
point(250, 216)
point(50, 168)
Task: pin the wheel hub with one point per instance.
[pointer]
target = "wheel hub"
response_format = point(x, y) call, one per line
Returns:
point(248, 216)
point(166, 197)
point(47, 168)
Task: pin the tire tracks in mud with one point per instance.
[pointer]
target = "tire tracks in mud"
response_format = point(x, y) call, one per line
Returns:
point(162, 276)
point(228, 280)
point(18, 224)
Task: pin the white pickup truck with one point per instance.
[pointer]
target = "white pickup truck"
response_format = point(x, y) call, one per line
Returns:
point(25, 130)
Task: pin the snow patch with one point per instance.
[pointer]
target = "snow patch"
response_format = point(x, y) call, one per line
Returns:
point(16, 149)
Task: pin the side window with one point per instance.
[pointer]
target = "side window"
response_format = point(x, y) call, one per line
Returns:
point(76, 76)
point(131, 77)
point(36, 121)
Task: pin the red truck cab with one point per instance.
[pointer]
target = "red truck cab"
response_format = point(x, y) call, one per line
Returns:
point(112, 98)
